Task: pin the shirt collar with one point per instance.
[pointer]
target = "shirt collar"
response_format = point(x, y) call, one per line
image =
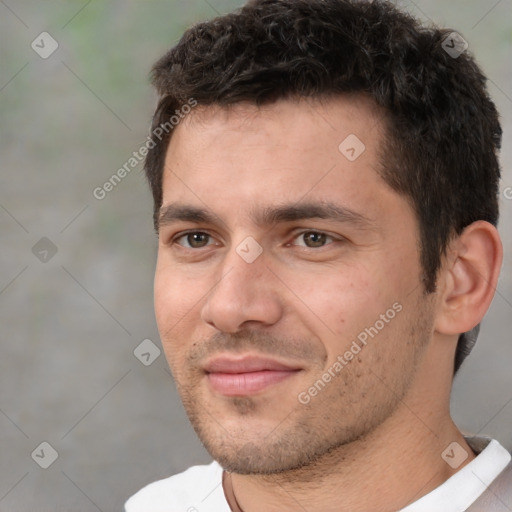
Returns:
point(462, 489)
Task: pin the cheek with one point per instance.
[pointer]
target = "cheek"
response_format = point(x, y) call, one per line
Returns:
point(342, 293)
point(176, 300)
point(345, 306)
point(336, 303)
point(166, 298)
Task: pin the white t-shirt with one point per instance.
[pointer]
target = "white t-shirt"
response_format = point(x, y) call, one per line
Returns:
point(199, 489)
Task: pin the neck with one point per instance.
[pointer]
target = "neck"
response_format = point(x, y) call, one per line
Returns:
point(393, 466)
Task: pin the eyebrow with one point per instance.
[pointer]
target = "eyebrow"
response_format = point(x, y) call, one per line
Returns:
point(178, 212)
point(302, 211)
point(268, 216)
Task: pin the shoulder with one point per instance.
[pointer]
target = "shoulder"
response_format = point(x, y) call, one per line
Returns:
point(497, 492)
point(190, 491)
point(498, 495)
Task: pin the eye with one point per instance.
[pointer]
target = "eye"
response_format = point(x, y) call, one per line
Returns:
point(194, 240)
point(313, 239)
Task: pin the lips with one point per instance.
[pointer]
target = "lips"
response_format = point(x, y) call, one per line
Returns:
point(247, 375)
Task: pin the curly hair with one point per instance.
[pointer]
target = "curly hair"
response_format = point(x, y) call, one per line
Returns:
point(442, 129)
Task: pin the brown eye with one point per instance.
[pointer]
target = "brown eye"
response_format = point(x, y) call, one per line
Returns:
point(313, 239)
point(195, 240)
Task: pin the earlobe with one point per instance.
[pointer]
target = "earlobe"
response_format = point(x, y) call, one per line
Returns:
point(470, 276)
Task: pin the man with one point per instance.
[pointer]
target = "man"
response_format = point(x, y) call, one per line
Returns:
point(326, 202)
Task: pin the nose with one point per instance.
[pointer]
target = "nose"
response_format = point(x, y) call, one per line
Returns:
point(244, 295)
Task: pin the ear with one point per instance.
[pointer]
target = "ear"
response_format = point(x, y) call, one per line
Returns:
point(468, 278)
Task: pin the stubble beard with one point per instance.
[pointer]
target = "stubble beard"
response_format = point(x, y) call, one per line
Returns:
point(311, 435)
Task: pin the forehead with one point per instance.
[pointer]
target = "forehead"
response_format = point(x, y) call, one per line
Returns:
point(320, 123)
point(247, 156)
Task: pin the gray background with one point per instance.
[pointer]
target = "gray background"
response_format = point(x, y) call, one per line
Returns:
point(69, 325)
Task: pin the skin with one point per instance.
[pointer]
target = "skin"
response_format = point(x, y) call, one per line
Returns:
point(383, 421)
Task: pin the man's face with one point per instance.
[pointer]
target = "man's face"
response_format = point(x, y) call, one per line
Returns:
point(288, 288)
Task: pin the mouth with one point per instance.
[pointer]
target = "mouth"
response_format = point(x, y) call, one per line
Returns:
point(248, 375)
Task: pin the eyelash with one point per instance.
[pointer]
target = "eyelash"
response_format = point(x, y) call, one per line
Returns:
point(297, 235)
